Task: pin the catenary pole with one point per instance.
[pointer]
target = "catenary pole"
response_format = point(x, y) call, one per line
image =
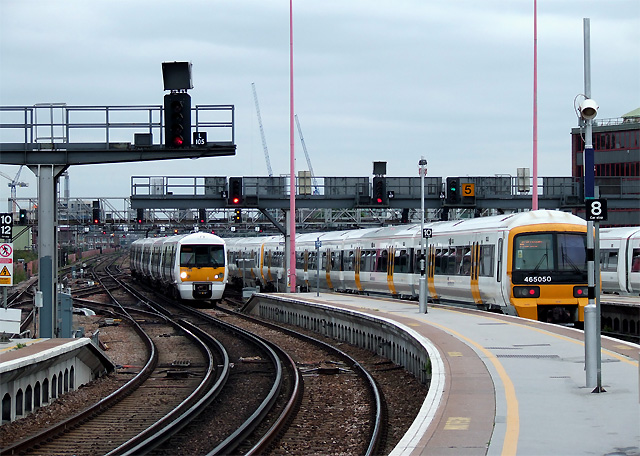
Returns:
point(292, 161)
point(534, 198)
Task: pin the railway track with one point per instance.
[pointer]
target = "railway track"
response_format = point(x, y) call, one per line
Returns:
point(319, 402)
point(292, 416)
point(180, 369)
point(341, 409)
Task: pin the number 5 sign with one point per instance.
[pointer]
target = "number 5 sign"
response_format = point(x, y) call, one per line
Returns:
point(596, 210)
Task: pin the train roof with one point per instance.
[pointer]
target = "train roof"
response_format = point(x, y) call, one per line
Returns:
point(624, 232)
point(199, 236)
point(493, 223)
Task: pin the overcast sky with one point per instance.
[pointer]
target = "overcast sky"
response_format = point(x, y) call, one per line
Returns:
point(374, 81)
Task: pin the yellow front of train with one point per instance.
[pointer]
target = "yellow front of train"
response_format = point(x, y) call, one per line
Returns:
point(547, 268)
point(202, 272)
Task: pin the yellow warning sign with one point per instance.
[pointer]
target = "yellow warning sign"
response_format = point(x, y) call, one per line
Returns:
point(5, 276)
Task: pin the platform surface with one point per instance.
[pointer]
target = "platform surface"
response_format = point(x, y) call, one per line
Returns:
point(516, 386)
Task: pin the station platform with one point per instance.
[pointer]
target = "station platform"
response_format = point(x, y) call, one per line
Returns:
point(513, 386)
point(33, 372)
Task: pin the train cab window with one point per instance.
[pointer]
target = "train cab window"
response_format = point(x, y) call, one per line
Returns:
point(549, 252)
point(533, 252)
point(572, 252)
point(202, 256)
point(635, 261)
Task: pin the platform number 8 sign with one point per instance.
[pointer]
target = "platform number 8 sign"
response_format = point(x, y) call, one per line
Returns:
point(596, 210)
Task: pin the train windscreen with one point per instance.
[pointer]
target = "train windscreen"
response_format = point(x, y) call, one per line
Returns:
point(202, 256)
point(557, 257)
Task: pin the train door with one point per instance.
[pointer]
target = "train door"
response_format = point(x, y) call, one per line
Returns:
point(357, 268)
point(475, 273)
point(390, 262)
point(504, 281)
point(329, 257)
point(633, 255)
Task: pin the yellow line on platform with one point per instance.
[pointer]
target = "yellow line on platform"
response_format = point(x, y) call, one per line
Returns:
point(510, 445)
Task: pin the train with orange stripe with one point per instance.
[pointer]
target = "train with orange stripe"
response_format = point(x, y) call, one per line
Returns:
point(531, 264)
point(189, 267)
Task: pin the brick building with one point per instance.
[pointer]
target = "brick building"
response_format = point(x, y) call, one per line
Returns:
point(616, 144)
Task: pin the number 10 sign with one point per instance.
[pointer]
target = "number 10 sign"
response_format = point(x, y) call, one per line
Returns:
point(6, 221)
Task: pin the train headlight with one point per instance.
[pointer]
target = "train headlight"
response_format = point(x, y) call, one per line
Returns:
point(183, 275)
point(526, 292)
point(580, 292)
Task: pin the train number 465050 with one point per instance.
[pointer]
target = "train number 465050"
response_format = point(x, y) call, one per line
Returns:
point(538, 279)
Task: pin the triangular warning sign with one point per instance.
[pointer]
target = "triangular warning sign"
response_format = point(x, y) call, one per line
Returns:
point(5, 272)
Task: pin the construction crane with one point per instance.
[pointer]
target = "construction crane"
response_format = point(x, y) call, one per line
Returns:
point(306, 154)
point(264, 140)
point(14, 182)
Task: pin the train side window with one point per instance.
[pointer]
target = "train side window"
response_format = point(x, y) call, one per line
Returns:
point(382, 261)
point(635, 261)
point(402, 264)
point(486, 260)
point(609, 260)
point(465, 261)
point(451, 261)
point(437, 268)
point(349, 261)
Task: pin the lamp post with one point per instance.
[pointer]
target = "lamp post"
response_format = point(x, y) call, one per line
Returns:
point(588, 111)
point(423, 293)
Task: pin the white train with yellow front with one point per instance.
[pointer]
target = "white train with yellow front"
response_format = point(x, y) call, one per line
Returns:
point(531, 264)
point(191, 267)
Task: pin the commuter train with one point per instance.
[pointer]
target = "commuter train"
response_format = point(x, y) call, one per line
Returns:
point(191, 267)
point(532, 264)
point(620, 260)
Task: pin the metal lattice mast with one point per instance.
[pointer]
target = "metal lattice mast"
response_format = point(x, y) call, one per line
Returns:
point(264, 140)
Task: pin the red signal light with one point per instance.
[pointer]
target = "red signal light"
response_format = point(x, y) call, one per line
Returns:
point(235, 200)
point(178, 141)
